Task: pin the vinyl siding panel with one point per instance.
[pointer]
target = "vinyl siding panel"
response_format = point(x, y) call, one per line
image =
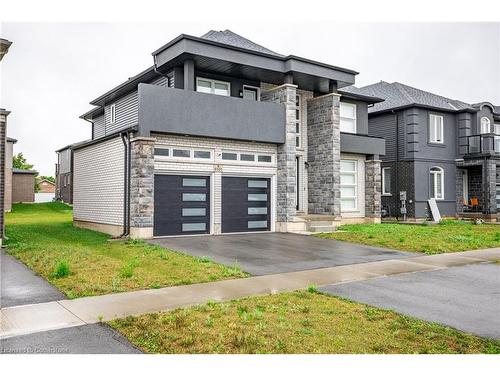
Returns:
point(385, 126)
point(99, 127)
point(98, 183)
point(65, 161)
point(127, 110)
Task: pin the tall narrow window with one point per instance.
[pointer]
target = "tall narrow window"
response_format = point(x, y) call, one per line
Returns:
point(348, 185)
point(436, 183)
point(112, 113)
point(485, 125)
point(251, 93)
point(298, 120)
point(347, 117)
point(386, 181)
point(435, 129)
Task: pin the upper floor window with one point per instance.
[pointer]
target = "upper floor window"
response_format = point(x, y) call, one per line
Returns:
point(437, 185)
point(347, 117)
point(497, 128)
point(386, 181)
point(435, 129)
point(112, 113)
point(211, 86)
point(485, 125)
point(298, 120)
point(251, 93)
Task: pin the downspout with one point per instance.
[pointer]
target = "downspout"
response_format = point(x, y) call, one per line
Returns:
point(155, 68)
point(126, 146)
point(397, 165)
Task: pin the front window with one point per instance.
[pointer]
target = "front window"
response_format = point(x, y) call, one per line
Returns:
point(298, 120)
point(435, 129)
point(348, 185)
point(211, 86)
point(251, 93)
point(112, 114)
point(347, 117)
point(386, 181)
point(485, 125)
point(437, 185)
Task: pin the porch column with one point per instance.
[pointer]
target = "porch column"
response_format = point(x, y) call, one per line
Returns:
point(323, 142)
point(459, 189)
point(285, 211)
point(142, 187)
point(373, 187)
point(489, 183)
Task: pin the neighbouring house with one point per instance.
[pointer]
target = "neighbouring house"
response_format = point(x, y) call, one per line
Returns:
point(23, 185)
point(9, 153)
point(4, 48)
point(64, 173)
point(47, 187)
point(437, 148)
point(222, 135)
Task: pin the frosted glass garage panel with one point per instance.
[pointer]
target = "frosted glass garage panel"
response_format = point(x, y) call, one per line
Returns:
point(194, 212)
point(257, 197)
point(347, 204)
point(257, 183)
point(194, 182)
point(194, 227)
point(347, 166)
point(347, 179)
point(257, 210)
point(347, 191)
point(194, 197)
point(257, 224)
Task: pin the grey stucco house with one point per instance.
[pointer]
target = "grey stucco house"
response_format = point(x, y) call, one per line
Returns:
point(222, 135)
point(436, 147)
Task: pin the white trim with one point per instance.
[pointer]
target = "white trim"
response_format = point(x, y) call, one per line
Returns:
point(434, 136)
point(212, 85)
point(112, 114)
point(251, 87)
point(355, 185)
point(354, 108)
point(487, 122)
point(383, 181)
point(433, 174)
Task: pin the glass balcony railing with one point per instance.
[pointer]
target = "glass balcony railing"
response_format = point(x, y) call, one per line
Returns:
point(483, 143)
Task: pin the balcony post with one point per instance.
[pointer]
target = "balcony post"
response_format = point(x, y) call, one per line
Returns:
point(489, 183)
point(189, 75)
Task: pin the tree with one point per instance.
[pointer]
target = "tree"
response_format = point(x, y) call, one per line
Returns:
point(20, 162)
point(48, 178)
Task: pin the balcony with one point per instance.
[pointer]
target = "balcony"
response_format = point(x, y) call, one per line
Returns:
point(362, 144)
point(175, 111)
point(483, 144)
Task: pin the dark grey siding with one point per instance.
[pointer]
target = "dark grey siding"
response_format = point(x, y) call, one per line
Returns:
point(446, 151)
point(361, 115)
point(385, 126)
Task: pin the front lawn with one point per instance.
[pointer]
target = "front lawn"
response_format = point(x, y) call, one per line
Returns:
point(448, 236)
point(82, 262)
point(298, 322)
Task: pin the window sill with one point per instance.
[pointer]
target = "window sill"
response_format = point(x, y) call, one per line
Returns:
point(387, 195)
point(436, 144)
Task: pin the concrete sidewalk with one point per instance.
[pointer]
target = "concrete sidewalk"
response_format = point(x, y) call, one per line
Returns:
point(26, 319)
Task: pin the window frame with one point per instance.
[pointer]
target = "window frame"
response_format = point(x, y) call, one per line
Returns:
point(433, 172)
point(112, 113)
point(355, 185)
point(252, 88)
point(355, 118)
point(481, 125)
point(298, 121)
point(212, 85)
point(431, 134)
point(384, 193)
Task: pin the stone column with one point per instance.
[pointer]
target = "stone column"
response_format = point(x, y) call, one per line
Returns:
point(459, 189)
point(286, 196)
point(373, 188)
point(323, 142)
point(142, 187)
point(3, 131)
point(489, 185)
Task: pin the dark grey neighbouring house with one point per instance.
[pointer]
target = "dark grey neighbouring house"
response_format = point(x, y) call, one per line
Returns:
point(64, 173)
point(222, 135)
point(437, 147)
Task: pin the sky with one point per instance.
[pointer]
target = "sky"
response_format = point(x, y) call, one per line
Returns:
point(53, 70)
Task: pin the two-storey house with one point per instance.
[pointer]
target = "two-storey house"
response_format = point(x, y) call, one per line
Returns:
point(222, 135)
point(436, 148)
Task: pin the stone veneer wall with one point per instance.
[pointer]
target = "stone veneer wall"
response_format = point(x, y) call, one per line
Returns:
point(373, 186)
point(323, 143)
point(142, 187)
point(285, 210)
point(490, 182)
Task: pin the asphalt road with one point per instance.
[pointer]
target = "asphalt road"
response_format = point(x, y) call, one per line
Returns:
point(466, 298)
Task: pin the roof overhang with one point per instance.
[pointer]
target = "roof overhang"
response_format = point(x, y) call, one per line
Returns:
point(414, 105)
point(92, 114)
point(11, 140)
point(364, 98)
point(230, 60)
point(4, 47)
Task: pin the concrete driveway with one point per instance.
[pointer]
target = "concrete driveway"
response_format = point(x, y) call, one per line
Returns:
point(271, 253)
point(466, 298)
point(21, 286)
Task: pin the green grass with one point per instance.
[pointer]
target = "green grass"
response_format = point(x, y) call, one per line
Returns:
point(81, 262)
point(298, 322)
point(448, 236)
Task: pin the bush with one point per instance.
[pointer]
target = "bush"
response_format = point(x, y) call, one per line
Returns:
point(62, 269)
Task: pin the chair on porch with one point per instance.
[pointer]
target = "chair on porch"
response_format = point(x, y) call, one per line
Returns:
point(473, 204)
